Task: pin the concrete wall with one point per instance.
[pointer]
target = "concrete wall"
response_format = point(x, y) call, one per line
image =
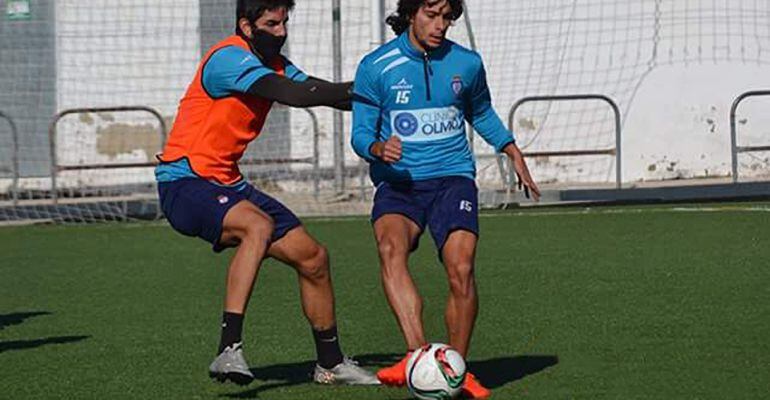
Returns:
point(28, 84)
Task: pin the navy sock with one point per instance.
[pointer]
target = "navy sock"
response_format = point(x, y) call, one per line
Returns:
point(232, 327)
point(327, 346)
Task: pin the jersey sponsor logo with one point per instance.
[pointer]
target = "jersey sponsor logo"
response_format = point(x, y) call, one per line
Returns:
point(405, 124)
point(424, 125)
point(457, 85)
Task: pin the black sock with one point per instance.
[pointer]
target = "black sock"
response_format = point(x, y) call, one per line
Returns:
point(232, 326)
point(327, 346)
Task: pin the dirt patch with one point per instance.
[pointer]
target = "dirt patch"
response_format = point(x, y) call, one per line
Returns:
point(119, 138)
point(86, 118)
point(107, 117)
point(527, 124)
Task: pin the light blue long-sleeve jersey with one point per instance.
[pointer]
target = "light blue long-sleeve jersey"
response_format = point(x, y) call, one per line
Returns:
point(425, 100)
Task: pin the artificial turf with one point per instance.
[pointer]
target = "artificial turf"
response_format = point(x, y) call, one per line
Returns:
point(609, 303)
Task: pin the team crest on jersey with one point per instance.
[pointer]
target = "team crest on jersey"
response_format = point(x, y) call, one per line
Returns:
point(457, 85)
point(222, 199)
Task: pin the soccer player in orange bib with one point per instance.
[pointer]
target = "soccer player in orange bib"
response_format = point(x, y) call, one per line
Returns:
point(203, 194)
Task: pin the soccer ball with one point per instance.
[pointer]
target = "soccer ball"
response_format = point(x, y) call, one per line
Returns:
point(435, 371)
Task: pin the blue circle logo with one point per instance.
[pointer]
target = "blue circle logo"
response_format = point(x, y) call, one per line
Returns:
point(406, 124)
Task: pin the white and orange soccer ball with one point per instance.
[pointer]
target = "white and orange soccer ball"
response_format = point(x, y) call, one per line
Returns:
point(435, 371)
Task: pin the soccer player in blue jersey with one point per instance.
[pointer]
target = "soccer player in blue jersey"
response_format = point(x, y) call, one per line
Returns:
point(412, 97)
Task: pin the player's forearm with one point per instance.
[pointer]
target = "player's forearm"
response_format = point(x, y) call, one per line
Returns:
point(365, 128)
point(376, 149)
point(389, 151)
point(310, 93)
point(346, 105)
point(363, 145)
point(512, 151)
point(499, 138)
point(488, 124)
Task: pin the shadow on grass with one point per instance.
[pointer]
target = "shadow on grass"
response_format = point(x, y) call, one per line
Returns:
point(299, 373)
point(493, 373)
point(18, 318)
point(31, 344)
point(497, 372)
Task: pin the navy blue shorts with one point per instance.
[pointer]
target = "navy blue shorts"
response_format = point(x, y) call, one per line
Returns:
point(196, 207)
point(444, 205)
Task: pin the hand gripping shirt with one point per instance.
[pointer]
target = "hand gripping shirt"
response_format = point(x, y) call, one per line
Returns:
point(424, 99)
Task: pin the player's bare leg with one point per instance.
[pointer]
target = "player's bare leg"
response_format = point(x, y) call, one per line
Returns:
point(250, 229)
point(462, 306)
point(459, 254)
point(395, 235)
point(311, 261)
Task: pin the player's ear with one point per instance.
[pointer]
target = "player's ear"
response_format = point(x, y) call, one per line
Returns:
point(245, 26)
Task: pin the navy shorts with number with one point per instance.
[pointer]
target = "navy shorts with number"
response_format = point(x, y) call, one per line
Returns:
point(196, 207)
point(444, 205)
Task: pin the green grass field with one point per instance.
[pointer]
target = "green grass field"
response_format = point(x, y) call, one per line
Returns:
point(606, 303)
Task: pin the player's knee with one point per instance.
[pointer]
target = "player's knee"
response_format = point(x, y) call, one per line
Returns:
point(461, 278)
point(390, 249)
point(316, 266)
point(258, 229)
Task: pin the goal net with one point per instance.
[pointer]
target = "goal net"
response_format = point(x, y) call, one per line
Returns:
point(672, 68)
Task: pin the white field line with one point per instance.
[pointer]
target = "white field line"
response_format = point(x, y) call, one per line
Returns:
point(586, 211)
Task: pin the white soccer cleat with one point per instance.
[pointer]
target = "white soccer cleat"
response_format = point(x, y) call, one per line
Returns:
point(231, 365)
point(345, 373)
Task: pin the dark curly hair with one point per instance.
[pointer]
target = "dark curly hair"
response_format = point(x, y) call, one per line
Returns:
point(253, 9)
point(399, 21)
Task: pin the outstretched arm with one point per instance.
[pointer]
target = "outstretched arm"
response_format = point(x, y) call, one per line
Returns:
point(232, 70)
point(346, 105)
point(310, 93)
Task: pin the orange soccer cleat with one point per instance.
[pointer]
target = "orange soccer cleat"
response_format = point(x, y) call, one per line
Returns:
point(472, 388)
point(395, 375)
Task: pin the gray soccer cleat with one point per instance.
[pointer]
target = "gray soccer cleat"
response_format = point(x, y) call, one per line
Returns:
point(345, 373)
point(231, 365)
